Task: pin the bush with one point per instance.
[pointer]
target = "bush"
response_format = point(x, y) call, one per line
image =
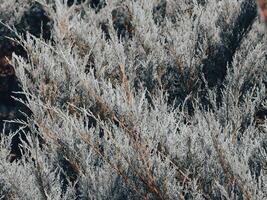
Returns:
point(136, 100)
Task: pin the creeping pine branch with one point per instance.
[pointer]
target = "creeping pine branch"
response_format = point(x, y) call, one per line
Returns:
point(263, 8)
point(215, 64)
point(227, 167)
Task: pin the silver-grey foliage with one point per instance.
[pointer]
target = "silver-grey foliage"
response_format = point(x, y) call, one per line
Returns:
point(142, 100)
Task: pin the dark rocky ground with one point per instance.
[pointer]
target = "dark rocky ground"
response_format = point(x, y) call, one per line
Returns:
point(11, 109)
point(34, 21)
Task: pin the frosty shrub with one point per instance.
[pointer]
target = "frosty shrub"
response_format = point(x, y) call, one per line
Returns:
point(154, 99)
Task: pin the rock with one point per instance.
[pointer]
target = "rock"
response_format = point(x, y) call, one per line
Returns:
point(7, 46)
point(260, 116)
point(10, 109)
point(36, 21)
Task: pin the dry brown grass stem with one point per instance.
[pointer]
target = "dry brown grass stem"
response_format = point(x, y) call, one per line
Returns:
point(125, 84)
